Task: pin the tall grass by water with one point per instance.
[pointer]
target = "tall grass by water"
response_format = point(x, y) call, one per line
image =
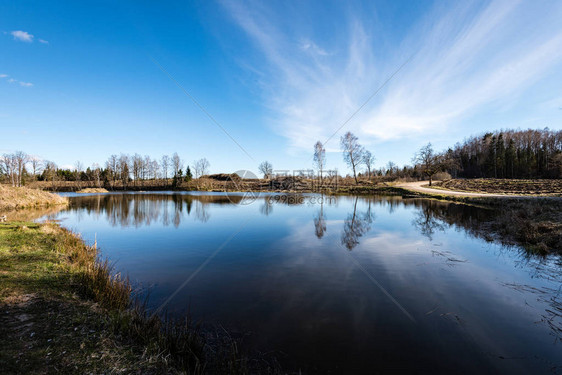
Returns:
point(12, 198)
point(51, 266)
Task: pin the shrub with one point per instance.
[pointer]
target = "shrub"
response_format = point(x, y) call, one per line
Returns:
point(441, 176)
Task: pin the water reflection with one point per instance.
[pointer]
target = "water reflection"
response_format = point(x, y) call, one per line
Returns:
point(139, 210)
point(267, 207)
point(320, 222)
point(289, 278)
point(143, 209)
point(30, 214)
point(434, 216)
point(356, 225)
point(427, 222)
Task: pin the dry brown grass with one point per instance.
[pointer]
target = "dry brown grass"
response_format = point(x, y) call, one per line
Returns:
point(92, 190)
point(536, 225)
point(505, 186)
point(12, 198)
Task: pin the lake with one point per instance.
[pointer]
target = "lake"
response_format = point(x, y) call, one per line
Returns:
point(336, 284)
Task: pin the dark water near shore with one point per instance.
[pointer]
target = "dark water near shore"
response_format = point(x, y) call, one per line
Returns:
point(337, 284)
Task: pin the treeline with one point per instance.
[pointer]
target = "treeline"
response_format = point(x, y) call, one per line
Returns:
point(124, 170)
point(509, 154)
point(500, 154)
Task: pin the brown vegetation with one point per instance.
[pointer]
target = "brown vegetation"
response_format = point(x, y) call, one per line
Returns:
point(535, 225)
point(12, 198)
point(505, 186)
point(92, 190)
point(76, 186)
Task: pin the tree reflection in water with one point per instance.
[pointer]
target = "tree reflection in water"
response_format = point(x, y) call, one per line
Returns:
point(426, 222)
point(144, 209)
point(320, 221)
point(267, 207)
point(429, 217)
point(356, 225)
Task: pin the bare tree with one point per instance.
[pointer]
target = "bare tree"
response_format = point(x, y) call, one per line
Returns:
point(13, 165)
point(36, 164)
point(147, 167)
point(50, 172)
point(165, 163)
point(112, 165)
point(201, 167)
point(319, 157)
point(20, 159)
point(176, 163)
point(124, 171)
point(78, 168)
point(266, 168)
point(155, 169)
point(352, 152)
point(97, 174)
point(369, 161)
point(428, 161)
point(136, 162)
point(8, 167)
point(332, 173)
point(391, 168)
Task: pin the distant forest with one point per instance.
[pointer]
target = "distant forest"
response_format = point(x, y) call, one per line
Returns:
point(527, 154)
point(509, 154)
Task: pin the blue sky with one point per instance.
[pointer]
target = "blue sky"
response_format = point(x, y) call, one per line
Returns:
point(78, 80)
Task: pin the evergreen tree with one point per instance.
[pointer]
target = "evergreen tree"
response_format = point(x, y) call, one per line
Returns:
point(510, 158)
point(500, 156)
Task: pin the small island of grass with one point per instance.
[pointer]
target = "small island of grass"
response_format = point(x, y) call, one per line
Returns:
point(92, 190)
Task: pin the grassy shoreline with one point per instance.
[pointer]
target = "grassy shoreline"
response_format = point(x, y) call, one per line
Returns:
point(45, 269)
point(15, 198)
point(535, 224)
point(534, 221)
point(62, 309)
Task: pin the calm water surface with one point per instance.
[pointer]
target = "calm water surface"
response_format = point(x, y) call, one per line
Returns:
point(337, 284)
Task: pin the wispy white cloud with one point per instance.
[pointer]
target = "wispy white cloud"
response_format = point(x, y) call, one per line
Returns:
point(22, 36)
point(461, 68)
point(13, 80)
point(555, 103)
point(310, 46)
point(466, 58)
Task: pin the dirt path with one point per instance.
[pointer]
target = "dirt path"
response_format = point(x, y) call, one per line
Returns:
point(417, 187)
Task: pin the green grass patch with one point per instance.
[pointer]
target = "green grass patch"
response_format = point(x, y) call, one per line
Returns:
point(64, 310)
